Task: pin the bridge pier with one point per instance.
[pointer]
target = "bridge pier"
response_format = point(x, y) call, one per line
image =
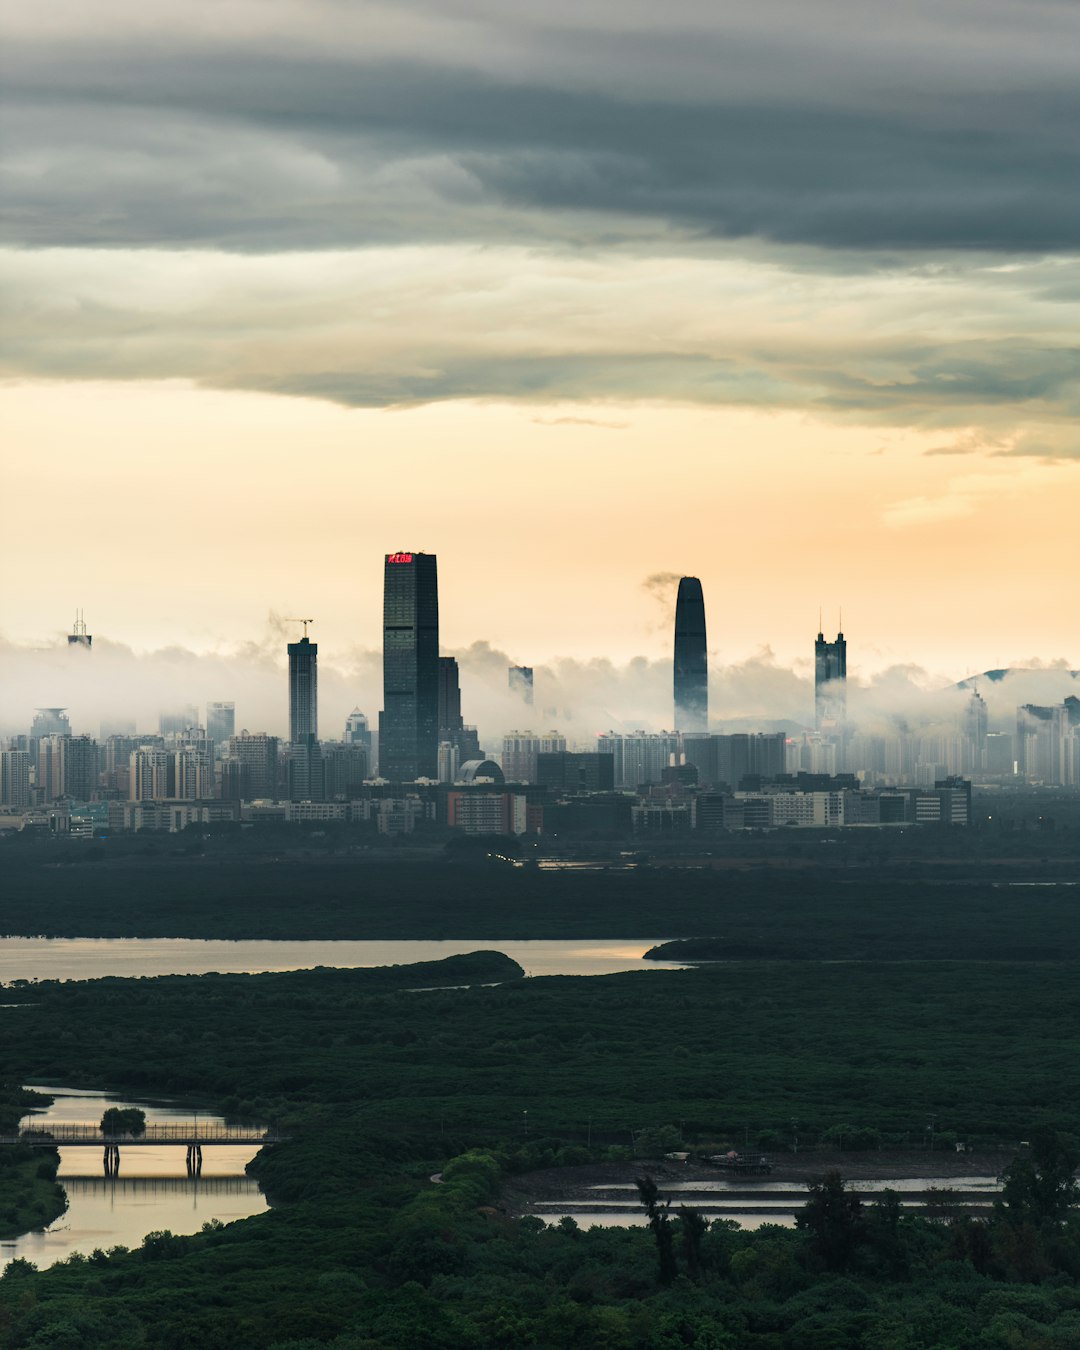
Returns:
point(194, 1159)
point(112, 1160)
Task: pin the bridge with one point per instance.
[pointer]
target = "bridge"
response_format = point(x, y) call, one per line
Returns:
point(188, 1134)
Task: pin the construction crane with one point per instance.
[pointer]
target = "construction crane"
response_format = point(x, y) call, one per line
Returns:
point(305, 622)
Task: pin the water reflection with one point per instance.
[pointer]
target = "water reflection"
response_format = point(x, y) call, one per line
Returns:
point(91, 958)
point(152, 1191)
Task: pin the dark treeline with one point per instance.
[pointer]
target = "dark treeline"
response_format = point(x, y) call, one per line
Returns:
point(378, 1087)
point(829, 913)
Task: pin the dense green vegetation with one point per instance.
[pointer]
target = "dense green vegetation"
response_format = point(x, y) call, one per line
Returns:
point(29, 1195)
point(379, 1086)
point(769, 912)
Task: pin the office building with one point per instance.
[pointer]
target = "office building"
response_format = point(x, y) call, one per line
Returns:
point(220, 723)
point(346, 766)
point(357, 731)
point(409, 720)
point(691, 658)
point(50, 722)
point(305, 772)
point(67, 766)
point(177, 720)
point(79, 637)
point(830, 683)
point(303, 691)
point(257, 757)
point(565, 771)
point(520, 680)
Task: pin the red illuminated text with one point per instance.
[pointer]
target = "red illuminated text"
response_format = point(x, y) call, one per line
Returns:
point(399, 557)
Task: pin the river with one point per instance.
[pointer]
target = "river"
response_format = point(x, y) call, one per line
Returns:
point(152, 1192)
point(23, 958)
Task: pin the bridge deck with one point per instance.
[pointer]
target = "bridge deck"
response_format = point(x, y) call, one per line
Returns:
point(178, 1132)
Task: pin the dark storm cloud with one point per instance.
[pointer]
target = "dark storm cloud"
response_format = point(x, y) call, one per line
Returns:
point(823, 133)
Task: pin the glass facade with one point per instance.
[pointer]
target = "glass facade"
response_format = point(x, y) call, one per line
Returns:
point(409, 721)
point(691, 658)
point(303, 691)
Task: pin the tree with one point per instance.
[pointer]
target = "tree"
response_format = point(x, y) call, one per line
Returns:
point(693, 1229)
point(1042, 1186)
point(661, 1227)
point(123, 1120)
point(833, 1218)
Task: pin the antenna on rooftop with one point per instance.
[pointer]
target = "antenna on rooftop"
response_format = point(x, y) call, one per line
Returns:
point(305, 622)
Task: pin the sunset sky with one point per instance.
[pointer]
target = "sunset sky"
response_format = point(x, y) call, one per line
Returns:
point(575, 295)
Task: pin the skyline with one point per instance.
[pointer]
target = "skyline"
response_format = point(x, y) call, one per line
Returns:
point(702, 291)
point(584, 698)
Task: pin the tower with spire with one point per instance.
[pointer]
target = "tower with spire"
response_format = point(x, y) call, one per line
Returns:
point(830, 680)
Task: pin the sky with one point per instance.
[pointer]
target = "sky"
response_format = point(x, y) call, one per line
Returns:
point(576, 296)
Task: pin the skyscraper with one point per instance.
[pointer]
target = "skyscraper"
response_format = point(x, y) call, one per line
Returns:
point(220, 722)
point(79, 637)
point(521, 682)
point(450, 718)
point(691, 658)
point(830, 682)
point(303, 691)
point(409, 721)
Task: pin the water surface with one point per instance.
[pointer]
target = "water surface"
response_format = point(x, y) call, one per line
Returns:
point(23, 958)
point(152, 1192)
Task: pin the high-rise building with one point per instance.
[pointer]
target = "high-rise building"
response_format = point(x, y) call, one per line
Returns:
point(79, 637)
point(976, 724)
point(303, 691)
point(520, 679)
point(409, 721)
point(450, 718)
point(50, 722)
point(1047, 745)
point(220, 723)
point(152, 774)
point(576, 772)
point(640, 757)
point(67, 767)
point(176, 721)
point(357, 731)
point(345, 767)
point(193, 775)
point(830, 682)
point(691, 658)
point(15, 779)
point(521, 749)
point(305, 771)
point(257, 755)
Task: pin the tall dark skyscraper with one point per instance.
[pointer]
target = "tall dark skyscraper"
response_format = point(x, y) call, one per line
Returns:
point(830, 682)
point(691, 658)
point(303, 691)
point(450, 718)
point(409, 721)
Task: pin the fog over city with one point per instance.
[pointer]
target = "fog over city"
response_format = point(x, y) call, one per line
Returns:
point(115, 683)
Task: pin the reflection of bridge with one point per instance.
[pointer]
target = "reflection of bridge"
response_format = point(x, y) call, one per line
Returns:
point(189, 1134)
point(190, 1185)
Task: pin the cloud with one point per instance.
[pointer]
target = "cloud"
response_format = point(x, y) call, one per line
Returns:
point(324, 125)
point(401, 326)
